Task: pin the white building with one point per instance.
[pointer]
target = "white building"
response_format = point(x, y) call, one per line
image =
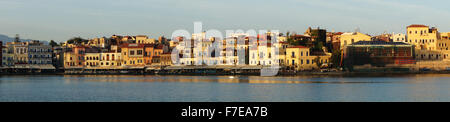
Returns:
point(399, 37)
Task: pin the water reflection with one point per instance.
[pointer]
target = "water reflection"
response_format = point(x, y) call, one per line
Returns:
point(421, 87)
point(254, 79)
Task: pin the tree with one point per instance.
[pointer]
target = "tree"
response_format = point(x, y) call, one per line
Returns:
point(53, 43)
point(77, 40)
point(318, 46)
point(336, 58)
point(318, 62)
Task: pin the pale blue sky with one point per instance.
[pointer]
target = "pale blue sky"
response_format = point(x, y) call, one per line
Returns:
point(62, 19)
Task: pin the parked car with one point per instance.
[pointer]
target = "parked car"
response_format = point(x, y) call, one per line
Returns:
point(324, 70)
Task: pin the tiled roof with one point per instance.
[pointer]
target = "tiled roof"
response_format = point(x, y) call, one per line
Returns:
point(415, 25)
point(378, 43)
point(297, 47)
point(133, 45)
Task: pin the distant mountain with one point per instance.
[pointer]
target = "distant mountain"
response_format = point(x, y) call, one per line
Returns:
point(5, 39)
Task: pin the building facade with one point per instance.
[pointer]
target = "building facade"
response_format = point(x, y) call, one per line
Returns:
point(133, 54)
point(379, 53)
point(39, 54)
point(422, 37)
point(350, 38)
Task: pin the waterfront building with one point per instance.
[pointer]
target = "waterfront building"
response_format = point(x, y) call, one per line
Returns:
point(156, 61)
point(158, 51)
point(254, 56)
point(186, 49)
point(20, 52)
point(298, 58)
point(133, 54)
point(7, 57)
point(230, 54)
point(444, 42)
point(265, 54)
point(166, 59)
point(74, 57)
point(422, 36)
point(148, 54)
point(92, 59)
point(58, 57)
point(201, 50)
point(282, 48)
point(111, 59)
point(379, 53)
point(39, 54)
point(350, 38)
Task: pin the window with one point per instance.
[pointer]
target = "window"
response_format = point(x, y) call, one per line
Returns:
point(131, 52)
point(139, 52)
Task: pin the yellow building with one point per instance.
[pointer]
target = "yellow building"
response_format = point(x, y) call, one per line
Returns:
point(350, 38)
point(444, 42)
point(422, 37)
point(74, 57)
point(133, 54)
point(111, 59)
point(282, 46)
point(92, 59)
point(98, 42)
point(299, 58)
point(166, 59)
point(142, 39)
point(254, 56)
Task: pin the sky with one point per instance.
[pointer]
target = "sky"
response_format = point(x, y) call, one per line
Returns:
point(60, 20)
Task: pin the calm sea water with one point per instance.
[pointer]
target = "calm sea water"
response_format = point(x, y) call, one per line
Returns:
point(111, 88)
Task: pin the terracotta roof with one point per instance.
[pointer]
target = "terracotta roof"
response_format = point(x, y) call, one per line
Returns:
point(339, 33)
point(297, 47)
point(415, 25)
point(132, 45)
point(378, 43)
point(159, 47)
